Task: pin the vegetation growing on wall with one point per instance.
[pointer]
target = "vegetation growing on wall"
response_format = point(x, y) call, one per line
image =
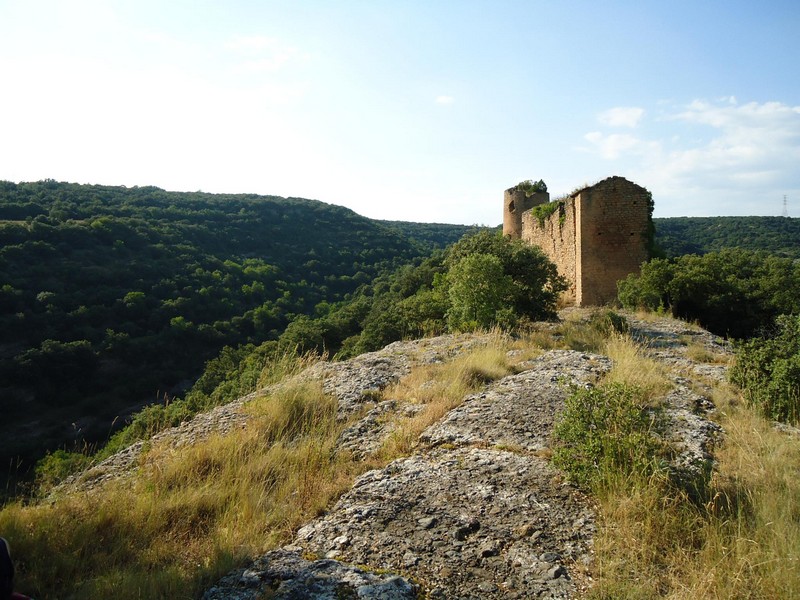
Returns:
point(531, 187)
point(542, 212)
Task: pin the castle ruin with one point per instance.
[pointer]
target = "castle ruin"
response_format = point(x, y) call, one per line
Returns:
point(596, 236)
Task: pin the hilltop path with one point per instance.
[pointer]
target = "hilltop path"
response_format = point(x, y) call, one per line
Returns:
point(477, 511)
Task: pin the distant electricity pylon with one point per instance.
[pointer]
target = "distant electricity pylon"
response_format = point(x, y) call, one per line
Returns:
point(785, 207)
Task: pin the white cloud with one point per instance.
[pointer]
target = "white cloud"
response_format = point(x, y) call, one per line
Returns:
point(251, 44)
point(717, 157)
point(621, 116)
point(615, 145)
point(261, 53)
point(445, 100)
point(745, 139)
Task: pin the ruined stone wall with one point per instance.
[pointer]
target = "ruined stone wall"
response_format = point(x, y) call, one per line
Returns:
point(612, 241)
point(515, 203)
point(596, 237)
point(556, 237)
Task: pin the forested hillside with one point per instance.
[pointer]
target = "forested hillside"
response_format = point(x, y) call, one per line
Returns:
point(113, 297)
point(433, 235)
point(699, 235)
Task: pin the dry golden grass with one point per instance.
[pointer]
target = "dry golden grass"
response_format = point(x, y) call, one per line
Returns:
point(191, 513)
point(542, 340)
point(631, 366)
point(442, 387)
point(739, 539)
point(700, 353)
point(752, 547)
point(742, 542)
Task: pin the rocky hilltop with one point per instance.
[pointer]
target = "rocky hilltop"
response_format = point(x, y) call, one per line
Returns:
point(477, 510)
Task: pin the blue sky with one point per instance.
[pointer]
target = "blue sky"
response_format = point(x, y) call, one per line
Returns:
point(417, 111)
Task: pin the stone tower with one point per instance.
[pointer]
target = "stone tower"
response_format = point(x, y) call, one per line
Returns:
point(515, 202)
point(596, 236)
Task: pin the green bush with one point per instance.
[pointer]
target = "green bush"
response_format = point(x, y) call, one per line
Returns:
point(532, 187)
point(55, 466)
point(607, 431)
point(478, 290)
point(536, 284)
point(768, 371)
point(731, 293)
point(608, 322)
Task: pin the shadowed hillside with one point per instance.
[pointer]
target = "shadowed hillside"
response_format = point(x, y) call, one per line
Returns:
point(113, 297)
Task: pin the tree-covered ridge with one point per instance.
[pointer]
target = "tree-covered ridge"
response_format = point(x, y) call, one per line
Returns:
point(432, 235)
point(677, 236)
point(110, 295)
point(485, 280)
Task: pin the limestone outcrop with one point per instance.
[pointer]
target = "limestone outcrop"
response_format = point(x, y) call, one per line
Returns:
point(477, 511)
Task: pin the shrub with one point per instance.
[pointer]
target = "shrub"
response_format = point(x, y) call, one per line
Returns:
point(768, 371)
point(55, 466)
point(532, 187)
point(732, 292)
point(478, 291)
point(605, 432)
point(536, 284)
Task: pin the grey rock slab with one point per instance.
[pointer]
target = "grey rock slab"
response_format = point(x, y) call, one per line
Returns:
point(387, 519)
point(285, 575)
point(690, 434)
point(359, 381)
point(518, 411)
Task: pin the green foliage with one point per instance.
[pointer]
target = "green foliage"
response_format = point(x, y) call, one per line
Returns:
point(112, 296)
point(536, 284)
point(607, 431)
point(478, 291)
point(55, 466)
point(542, 212)
point(608, 323)
point(432, 236)
point(532, 187)
point(677, 236)
point(768, 371)
point(732, 292)
point(417, 299)
point(653, 249)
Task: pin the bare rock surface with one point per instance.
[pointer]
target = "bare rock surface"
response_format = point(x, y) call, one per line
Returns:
point(470, 519)
point(466, 523)
point(518, 411)
point(285, 575)
point(668, 340)
point(690, 434)
point(477, 512)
